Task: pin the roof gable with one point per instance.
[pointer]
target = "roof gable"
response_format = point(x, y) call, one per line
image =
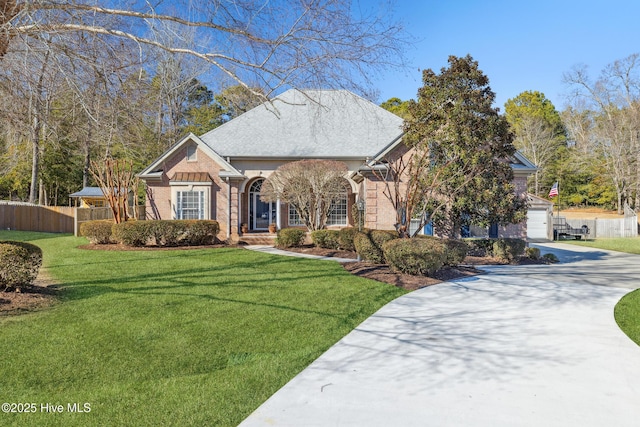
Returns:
point(228, 171)
point(309, 124)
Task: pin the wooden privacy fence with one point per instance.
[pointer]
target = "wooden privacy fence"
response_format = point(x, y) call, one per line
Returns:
point(51, 219)
point(25, 217)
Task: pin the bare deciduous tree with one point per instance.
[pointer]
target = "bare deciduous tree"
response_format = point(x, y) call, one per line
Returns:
point(312, 187)
point(610, 107)
point(274, 44)
point(535, 139)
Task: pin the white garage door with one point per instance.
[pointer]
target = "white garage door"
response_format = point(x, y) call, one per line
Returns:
point(537, 224)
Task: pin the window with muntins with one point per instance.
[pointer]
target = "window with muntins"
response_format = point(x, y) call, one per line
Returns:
point(190, 204)
point(338, 213)
point(294, 218)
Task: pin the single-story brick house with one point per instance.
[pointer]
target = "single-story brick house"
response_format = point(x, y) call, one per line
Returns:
point(219, 174)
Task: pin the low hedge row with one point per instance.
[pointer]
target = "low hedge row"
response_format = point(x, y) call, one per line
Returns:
point(290, 237)
point(98, 232)
point(19, 264)
point(506, 249)
point(158, 232)
point(327, 239)
point(368, 244)
point(455, 251)
point(415, 256)
point(335, 239)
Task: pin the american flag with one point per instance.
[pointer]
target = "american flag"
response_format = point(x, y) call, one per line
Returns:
point(554, 190)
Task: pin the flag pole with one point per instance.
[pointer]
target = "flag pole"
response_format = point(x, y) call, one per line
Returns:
point(558, 201)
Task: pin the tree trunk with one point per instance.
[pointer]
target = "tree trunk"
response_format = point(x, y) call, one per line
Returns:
point(35, 161)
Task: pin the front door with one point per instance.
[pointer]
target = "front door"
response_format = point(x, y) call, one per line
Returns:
point(261, 214)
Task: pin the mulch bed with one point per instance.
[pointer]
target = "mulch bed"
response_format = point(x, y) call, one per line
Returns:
point(382, 272)
point(43, 293)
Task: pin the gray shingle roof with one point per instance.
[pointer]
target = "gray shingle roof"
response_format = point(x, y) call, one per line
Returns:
point(88, 192)
point(309, 124)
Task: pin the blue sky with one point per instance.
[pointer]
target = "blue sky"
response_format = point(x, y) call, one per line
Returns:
point(519, 45)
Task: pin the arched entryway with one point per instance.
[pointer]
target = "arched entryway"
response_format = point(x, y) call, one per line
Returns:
point(261, 214)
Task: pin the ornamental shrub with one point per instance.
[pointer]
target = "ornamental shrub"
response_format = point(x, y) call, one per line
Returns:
point(167, 232)
point(132, 233)
point(550, 257)
point(345, 238)
point(532, 253)
point(327, 239)
point(415, 256)
point(98, 232)
point(19, 264)
point(480, 247)
point(290, 237)
point(201, 232)
point(508, 249)
point(456, 251)
point(368, 244)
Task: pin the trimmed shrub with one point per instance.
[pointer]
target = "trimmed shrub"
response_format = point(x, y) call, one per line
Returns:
point(327, 239)
point(455, 251)
point(98, 232)
point(201, 232)
point(532, 253)
point(480, 247)
point(167, 232)
point(415, 256)
point(551, 258)
point(368, 244)
point(508, 249)
point(345, 238)
point(132, 233)
point(19, 264)
point(290, 237)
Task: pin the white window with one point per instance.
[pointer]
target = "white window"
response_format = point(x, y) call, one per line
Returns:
point(190, 205)
point(338, 214)
point(294, 218)
point(192, 153)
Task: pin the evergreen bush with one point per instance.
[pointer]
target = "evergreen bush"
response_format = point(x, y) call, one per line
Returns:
point(532, 253)
point(19, 264)
point(201, 232)
point(368, 244)
point(327, 239)
point(345, 238)
point(290, 237)
point(98, 232)
point(133, 233)
point(508, 249)
point(415, 256)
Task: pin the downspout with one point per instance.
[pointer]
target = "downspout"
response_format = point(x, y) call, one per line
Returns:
point(228, 208)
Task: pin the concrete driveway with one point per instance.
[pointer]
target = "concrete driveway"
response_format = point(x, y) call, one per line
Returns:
point(520, 346)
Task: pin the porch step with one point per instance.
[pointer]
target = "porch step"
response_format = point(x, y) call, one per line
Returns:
point(258, 239)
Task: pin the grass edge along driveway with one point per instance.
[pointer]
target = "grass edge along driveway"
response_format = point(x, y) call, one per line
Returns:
point(180, 337)
point(627, 311)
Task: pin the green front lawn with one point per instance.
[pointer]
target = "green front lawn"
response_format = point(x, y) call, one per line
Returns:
point(627, 311)
point(627, 314)
point(622, 244)
point(180, 337)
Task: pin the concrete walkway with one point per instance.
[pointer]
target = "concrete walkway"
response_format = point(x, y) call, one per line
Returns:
point(520, 346)
point(276, 251)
